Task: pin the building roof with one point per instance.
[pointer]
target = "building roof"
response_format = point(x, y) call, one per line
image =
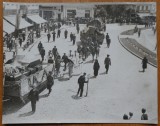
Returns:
point(36, 18)
point(7, 27)
point(12, 20)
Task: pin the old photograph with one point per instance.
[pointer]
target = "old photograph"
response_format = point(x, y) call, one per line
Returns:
point(80, 63)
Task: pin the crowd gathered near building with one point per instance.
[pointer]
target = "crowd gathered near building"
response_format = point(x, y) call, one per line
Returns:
point(28, 23)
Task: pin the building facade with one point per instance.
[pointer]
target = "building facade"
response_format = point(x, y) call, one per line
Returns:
point(79, 10)
point(49, 11)
point(64, 11)
point(146, 9)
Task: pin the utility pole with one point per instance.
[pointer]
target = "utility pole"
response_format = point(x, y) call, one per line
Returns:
point(16, 30)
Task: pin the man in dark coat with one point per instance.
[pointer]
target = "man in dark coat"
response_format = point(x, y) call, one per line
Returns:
point(65, 60)
point(54, 51)
point(107, 63)
point(50, 82)
point(33, 97)
point(144, 115)
point(42, 53)
point(54, 35)
point(58, 33)
point(144, 63)
point(71, 36)
point(48, 36)
point(96, 67)
point(107, 37)
point(81, 81)
point(108, 42)
point(40, 46)
point(139, 32)
point(74, 39)
point(65, 34)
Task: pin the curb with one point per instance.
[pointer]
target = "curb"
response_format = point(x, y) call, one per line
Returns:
point(134, 53)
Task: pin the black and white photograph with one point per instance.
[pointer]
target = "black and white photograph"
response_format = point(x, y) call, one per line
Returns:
point(80, 63)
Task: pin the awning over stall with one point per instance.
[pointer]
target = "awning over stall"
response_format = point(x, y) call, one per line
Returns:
point(7, 27)
point(36, 18)
point(23, 23)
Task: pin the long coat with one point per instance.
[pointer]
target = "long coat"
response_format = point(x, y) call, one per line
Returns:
point(96, 68)
point(33, 96)
point(42, 52)
point(50, 81)
point(144, 63)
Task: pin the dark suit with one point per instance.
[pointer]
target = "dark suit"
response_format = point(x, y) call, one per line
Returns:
point(81, 82)
point(33, 96)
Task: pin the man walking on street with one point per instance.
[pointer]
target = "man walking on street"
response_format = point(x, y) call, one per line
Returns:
point(48, 36)
point(71, 36)
point(54, 51)
point(139, 32)
point(54, 35)
point(65, 34)
point(107, 63)
point(65, 60)
point(50, 82)
point(74, 39)
point(107, 37)
point(42, 53)
point(40, 46)
point(96, 68)
point(81, 81)
point(108, 42)
point(33, 97)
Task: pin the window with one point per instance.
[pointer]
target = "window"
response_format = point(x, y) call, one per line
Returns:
point(71, 13)
point(138, 8)
point(87, 13)
point(147, 8)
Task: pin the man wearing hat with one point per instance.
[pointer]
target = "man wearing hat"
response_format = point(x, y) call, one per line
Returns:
point(74, 39)
point(65, 34)
point(54, 51)
point(42, 53)
point(40, 46)
point(107, 63)
point(48, 36)
point(107, 36)
point(65, 60)
point(81, 81)
point(54, 35)
point(50, 82)
point(33, 97)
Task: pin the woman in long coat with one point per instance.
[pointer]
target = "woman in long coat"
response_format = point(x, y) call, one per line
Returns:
point(96, 68)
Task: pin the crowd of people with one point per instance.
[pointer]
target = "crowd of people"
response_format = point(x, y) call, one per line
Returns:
point(88, 47)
